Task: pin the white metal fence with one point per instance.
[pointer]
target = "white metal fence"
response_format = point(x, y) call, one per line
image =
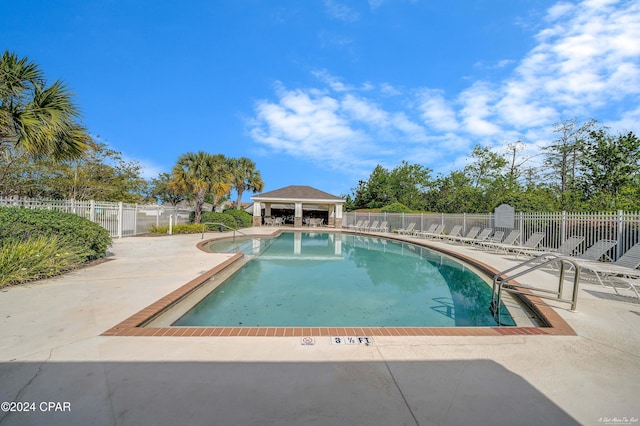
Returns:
point(120, 219)
point(624, 227)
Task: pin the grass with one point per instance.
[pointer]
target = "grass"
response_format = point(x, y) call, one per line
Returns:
point(37, 257)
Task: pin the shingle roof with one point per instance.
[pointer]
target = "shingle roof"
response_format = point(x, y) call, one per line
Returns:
point(297, 192)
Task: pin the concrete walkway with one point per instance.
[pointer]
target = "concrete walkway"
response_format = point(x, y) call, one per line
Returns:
point(51, 351)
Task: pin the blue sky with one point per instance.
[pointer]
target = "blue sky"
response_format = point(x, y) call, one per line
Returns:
point(320, 92)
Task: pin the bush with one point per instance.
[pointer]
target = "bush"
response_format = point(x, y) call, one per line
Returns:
point(19, 224)
point(395, 208)
point(244, 219)
point(216, 217)
point(37, 257)
point(190, 228)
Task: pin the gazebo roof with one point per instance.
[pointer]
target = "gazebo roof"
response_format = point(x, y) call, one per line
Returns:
point(299, 193)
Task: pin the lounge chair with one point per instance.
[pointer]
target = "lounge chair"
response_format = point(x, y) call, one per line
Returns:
point(532, 242)
point(379, 228)
point(494, 239)
point(357, 225)
point(567, 248)
point(430, 230)
point(483, 235)
point(363, 226)
point(508, 242)
point(435, 234)
point(597, 251)
point(454, 233)
point(373, 226)
point(622, 273)
point(473, 233)
point(408, 230)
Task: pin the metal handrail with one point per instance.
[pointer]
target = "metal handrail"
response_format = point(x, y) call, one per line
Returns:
point(545, 259)
point(222, 225)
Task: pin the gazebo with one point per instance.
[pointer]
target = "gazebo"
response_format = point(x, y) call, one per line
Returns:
point(298, 197)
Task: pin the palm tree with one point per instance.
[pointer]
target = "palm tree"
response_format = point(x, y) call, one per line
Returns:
point(39, 119)
point(221, 182)
point(200, 174)
point(245, 177)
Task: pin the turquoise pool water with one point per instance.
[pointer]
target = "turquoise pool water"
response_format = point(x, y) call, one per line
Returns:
point(333, 279)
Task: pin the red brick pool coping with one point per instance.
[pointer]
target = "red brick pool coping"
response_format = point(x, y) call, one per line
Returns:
point(134, 325)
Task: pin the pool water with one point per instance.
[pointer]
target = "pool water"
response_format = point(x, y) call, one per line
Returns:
point(331, 279)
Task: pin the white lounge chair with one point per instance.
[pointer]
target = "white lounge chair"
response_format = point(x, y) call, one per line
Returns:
point(597, 250)
point(373, 226)
point(496, 238)
point(472, 234)
point(622, 273)
point(430, 230)
point(363, 226)
point(408, 230)
point(483, 235)
point(532, 242)
point(508, 242)
point(454, 233)
point(383, 227)
point(435, 234)
point(355, 226)
point(567, 248)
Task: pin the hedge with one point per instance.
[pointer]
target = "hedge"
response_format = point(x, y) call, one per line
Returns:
point(20, 224)
point(216, 217)
point(244, 219)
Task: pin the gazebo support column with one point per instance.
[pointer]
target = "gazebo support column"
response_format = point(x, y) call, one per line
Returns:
point(257, 214)
point(297, 221)
point(338, 220)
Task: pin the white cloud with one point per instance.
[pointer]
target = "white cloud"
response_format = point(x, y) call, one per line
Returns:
point(332, 81)
point(586, 62)
point(363, 110)
point(477, 107)
point(436, 112)
point(374, 4)
point(340, 11)
point(308, 124)
point(587, 58)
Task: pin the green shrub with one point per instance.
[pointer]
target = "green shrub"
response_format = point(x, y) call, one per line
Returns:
point(183, 228)
point(216, 217)
point(37, 257)
point(19, 224)
point(244, 219)
point(395, 208)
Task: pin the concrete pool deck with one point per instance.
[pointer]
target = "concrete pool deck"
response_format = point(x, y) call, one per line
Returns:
point(52, 350)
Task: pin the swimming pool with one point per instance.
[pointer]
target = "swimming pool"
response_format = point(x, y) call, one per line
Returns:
point(307, 279)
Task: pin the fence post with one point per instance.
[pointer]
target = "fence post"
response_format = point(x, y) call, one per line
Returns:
point(135, 219)
point(92, 210)
point(619, 237)
point(563, 227)
point(120, 208)
point(521, 226)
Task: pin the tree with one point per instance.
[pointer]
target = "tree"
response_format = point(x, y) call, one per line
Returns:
point(41, 119)
point(221, 180)
point(244, 177)
point(200, 174)
point(610, 167)
point(486, 166)
point(161, 190)
point(408, 183)
point(563, 158)
point(100, 174)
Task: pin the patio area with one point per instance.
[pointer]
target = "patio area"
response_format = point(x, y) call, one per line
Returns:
point(52, 350)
